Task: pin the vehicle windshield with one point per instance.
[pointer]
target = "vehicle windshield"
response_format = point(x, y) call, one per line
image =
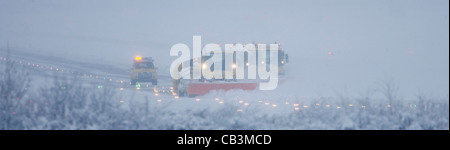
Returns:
point(142, 65)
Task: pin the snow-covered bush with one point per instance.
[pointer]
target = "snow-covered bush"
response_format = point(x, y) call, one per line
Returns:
point(14, 80)
point(67, 103)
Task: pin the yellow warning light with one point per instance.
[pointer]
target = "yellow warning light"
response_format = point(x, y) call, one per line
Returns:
point(138, 58)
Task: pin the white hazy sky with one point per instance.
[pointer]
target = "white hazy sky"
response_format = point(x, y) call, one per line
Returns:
point(372, 40)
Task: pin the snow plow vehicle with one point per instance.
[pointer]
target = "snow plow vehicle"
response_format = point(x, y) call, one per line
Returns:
point(195, 87)
point(144, 70)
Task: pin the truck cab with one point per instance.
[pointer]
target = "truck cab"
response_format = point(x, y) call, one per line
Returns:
point(144, 70)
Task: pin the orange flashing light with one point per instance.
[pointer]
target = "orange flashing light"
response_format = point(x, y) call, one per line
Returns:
point(138, 58)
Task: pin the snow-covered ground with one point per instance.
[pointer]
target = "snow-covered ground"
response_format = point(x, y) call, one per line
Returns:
point(70, 94)
point(375, 64)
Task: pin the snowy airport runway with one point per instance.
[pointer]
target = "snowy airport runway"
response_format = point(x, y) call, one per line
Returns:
point(277, 104)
